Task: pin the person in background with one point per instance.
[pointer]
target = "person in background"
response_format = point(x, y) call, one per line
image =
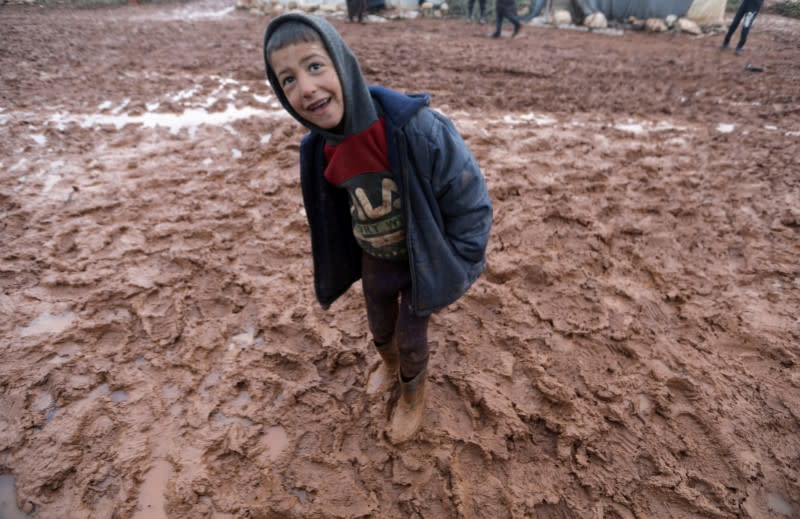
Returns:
point(356, 10)
point(481, 11)
point(506, 9)
point(748, 10)
point(392, 195)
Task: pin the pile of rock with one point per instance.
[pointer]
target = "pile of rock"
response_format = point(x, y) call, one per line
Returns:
point(598, 21)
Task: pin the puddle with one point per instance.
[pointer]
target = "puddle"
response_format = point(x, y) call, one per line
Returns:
point(51, 413)
point(645, 406)
point(47, 323)
point(244, 339)
point(119, 396)
point(190, 119)
point(8, 499)
point(208, 382)
point(242, 399)
point(42, 402)
point(214, 513)
point(276, 441)
point(221, 419)
point(779, 505)
point(170, 392)
point(300, 494)
point(151, 493)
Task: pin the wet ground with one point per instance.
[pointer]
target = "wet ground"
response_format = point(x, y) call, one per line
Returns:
point(631, 351)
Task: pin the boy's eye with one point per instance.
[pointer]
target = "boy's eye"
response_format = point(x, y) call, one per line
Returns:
point(314, 67)
point(287, 81)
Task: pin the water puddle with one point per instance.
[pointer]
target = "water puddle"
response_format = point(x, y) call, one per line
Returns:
point(47, 323)
point(222, 420)
point(119, 396)
point(214, 513)
point(170, 392)
point(208, 382)
point(151, 493)
point(242, 399)
point(276, 441)
point(190, 119)
point(779, 505)
point(243, 339)
point(300, 494)
point(8, 499)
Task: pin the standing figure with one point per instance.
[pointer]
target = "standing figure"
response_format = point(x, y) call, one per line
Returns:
point(356, 9)
point(506, 9)
point(747, 10)
point(481, 10)
point(392, 194)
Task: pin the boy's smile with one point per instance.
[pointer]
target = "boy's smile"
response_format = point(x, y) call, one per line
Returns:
point(309, 80)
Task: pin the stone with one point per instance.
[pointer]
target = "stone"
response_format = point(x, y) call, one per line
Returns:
point(687, 25)
point(560, 17)
point(655, 25)
point(596, 20)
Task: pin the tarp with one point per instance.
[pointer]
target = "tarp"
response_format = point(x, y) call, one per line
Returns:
point(621, 9)
point(701, 11)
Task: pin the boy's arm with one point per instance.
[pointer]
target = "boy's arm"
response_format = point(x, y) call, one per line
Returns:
point(460, 190)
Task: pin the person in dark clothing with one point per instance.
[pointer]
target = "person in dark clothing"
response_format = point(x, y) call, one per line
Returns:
point(356, 10)
point(481, 11)
point(392, 195)
point(506, 9)
point(747, 11)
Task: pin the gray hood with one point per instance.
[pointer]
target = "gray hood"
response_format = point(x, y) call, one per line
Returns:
point(359, 109)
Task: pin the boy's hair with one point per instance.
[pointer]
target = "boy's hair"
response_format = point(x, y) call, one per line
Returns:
point(291, 33)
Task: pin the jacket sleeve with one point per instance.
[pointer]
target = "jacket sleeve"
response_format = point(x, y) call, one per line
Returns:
point(459, 188)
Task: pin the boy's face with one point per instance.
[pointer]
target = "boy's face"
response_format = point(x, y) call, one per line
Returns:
point(310, 83)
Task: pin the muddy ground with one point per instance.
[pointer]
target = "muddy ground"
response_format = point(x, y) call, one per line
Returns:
point(631, 350)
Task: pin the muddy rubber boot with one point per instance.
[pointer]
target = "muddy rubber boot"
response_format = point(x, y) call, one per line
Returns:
point(407, 417)
point(383, 378)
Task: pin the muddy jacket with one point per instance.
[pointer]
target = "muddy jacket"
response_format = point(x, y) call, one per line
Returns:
point(446, 206)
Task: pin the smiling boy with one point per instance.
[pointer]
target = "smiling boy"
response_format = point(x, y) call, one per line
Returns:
point(392, 195)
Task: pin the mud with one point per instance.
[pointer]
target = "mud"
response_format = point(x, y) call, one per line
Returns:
point(631, 351)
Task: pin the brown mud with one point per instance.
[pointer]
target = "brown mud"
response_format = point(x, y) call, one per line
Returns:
point(631, 351)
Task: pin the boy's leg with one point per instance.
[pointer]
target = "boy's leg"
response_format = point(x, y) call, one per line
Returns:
point(412, 340)
point(382, 282)
point(470, 5)
point(482, 7)
point(411, 336)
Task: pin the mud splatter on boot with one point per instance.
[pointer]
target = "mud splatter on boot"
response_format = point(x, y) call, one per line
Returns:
point(407, 418)
point(385, 375)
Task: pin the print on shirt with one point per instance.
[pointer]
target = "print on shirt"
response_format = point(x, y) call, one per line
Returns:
point(377, 217)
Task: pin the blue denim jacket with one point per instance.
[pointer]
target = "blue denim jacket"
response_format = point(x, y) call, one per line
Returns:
point(448, 214)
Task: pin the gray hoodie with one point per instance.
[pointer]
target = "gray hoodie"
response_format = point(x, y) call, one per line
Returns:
point(359, 109)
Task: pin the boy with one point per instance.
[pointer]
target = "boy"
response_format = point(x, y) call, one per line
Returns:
point(392, 195)
point(747, 10)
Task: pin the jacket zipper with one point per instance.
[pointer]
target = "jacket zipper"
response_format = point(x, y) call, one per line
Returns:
point(398, 141)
